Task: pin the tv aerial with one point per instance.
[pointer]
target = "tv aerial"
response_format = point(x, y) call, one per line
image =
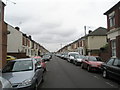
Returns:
point(10, 1)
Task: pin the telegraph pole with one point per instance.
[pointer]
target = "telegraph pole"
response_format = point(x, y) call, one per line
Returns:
point(61, 45)
point(85, 30)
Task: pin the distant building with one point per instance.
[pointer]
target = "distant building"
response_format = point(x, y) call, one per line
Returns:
point(113, 27)
point(89, 44)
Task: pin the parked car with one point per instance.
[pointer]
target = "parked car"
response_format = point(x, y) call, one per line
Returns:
point(4, 83)
point(41, 61)
point(111, 69)
point(66, 57)
point(78, 59)
point(23, 73)
point(10, 58)
point(46, 57)
point(91, 63)
point(72, 56)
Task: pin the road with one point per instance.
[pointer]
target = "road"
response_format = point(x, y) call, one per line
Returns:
point(62, 74)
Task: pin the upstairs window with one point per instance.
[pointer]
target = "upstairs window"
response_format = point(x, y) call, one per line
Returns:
point(112, 19)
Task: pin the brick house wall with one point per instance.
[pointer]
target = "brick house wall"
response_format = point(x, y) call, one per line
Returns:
point(3, 37)
point(114, 30)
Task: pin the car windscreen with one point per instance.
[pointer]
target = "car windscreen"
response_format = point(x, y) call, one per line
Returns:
point(73, 54)
point(38, 59)
point(91, 58)
point(98, 59)
point(17, 66)
point(79, 57)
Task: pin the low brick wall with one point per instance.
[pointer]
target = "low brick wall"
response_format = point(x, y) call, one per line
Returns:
point(18, 55)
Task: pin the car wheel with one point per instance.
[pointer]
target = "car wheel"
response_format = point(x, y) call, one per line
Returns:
point(36, 86)
point(76, 63)
point(42, 80)
point(104, 74)
point(88, 68)
point(82, 66)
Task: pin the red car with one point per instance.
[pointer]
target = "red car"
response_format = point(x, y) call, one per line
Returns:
point(41, 61)
point(91, 63)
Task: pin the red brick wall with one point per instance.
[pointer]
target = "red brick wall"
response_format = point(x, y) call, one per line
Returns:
point(3, 38)
point(117, 20)
point(4, 46)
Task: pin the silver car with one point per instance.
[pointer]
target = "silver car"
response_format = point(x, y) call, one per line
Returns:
point(24, 73)
point(5, 83)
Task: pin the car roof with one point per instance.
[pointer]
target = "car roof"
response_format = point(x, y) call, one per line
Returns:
point(37, 57)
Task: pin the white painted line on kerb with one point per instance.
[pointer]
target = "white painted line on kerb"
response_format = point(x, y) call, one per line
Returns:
point(109, 84)
point(96, 77)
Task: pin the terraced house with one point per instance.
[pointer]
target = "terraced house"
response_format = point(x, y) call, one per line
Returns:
point(89, 44)
point(113, 26)
point(21, 45)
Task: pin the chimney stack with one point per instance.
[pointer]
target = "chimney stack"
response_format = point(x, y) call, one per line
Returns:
point(90, 31)
point(17, 28)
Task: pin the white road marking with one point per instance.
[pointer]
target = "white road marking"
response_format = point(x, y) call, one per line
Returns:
point(96, 77)
point(109, 84)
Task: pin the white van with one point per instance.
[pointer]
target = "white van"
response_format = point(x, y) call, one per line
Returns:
point(72, 56)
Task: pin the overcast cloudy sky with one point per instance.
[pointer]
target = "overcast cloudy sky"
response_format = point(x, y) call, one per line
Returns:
point(56, 22)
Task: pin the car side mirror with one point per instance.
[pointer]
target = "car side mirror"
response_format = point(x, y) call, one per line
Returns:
point(38, 67)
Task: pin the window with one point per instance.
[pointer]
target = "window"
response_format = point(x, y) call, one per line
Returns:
point(116, 62)
point(110, 62)
point(113, 45)
point(112, 19)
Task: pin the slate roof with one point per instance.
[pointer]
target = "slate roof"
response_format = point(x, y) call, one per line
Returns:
point(98, 32)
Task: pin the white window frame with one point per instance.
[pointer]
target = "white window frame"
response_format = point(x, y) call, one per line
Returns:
point(113, 46)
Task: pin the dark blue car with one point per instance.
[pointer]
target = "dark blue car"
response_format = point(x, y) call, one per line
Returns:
point(111, 68)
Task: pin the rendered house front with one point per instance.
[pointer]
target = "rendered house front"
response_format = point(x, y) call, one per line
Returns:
point(95, 40)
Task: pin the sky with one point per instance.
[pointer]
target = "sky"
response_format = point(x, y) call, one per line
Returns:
point(56, 23)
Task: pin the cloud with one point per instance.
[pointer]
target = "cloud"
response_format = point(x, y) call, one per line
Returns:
point(51, 22)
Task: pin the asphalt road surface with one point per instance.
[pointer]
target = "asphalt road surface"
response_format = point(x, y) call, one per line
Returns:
point(62, 74)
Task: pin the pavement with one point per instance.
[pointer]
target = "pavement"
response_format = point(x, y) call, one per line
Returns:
point(62, 74)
